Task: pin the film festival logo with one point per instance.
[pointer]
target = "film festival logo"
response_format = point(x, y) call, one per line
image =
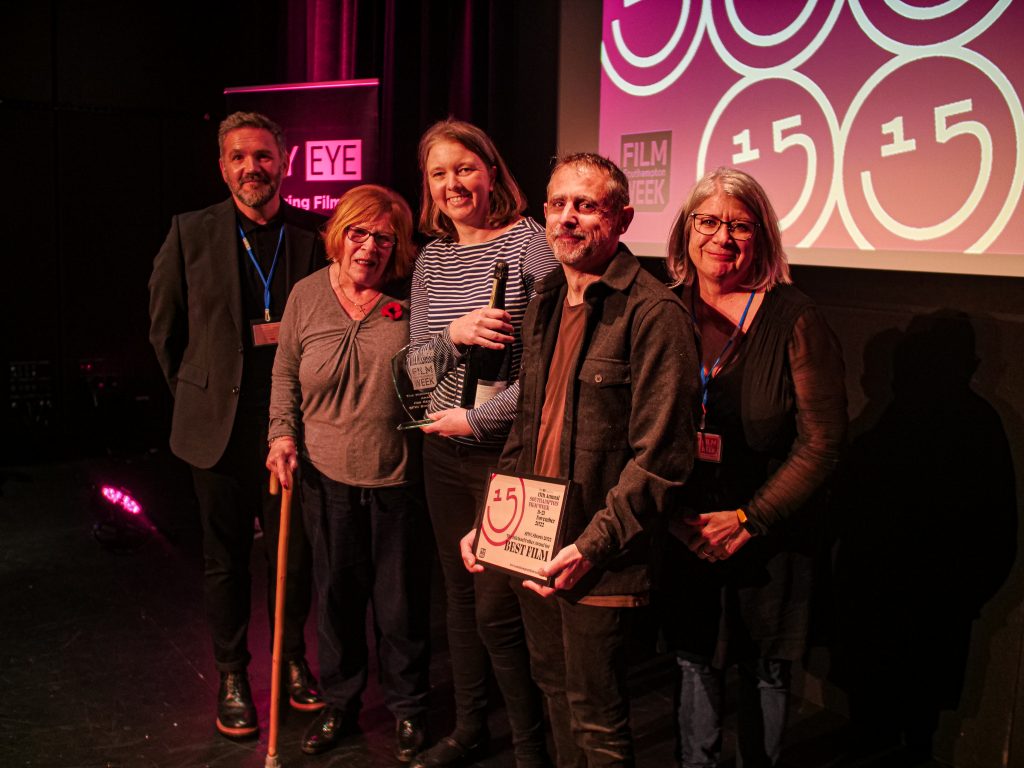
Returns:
point(326, 160)
point(646, 159)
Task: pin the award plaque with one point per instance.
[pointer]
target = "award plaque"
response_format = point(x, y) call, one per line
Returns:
point(414, 377)
point(521, 523)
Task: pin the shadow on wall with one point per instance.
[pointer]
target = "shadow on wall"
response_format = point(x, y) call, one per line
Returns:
point(927, 533)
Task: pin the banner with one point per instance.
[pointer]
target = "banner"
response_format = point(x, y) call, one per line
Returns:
point(332, 133)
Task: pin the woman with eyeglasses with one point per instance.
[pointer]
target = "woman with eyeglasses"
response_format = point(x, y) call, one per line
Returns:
point(473, 207)
point(333, 411)
point(772, 420)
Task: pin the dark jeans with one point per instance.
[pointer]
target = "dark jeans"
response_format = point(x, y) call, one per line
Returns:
point(368, 546)
point(483, 612)
point(760, 717)
point(232, 495)
point(579, 661)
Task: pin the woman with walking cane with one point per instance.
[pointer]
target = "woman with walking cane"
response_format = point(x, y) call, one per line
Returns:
point(333, 411)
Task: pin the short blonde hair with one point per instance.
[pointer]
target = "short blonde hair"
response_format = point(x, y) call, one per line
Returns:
point(769, 267)
point(363, 204)
point(506, 199)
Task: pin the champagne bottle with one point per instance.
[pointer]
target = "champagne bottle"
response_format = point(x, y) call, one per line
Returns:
point(487, 370)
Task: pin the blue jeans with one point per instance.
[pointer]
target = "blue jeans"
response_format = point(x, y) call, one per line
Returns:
point(761, 712)
point(368, 548)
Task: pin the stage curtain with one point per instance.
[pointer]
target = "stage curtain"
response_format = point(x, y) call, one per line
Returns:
point(491, 62)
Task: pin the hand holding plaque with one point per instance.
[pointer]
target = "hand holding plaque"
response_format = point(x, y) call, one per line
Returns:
point(521, 523)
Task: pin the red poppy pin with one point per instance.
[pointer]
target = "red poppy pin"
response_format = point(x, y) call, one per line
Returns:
point(392, 309)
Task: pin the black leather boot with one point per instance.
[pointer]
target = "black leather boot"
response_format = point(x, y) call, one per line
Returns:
point(236, 715)
point(303, 689)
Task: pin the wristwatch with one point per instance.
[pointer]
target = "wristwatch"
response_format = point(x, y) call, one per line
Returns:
point(745, 522)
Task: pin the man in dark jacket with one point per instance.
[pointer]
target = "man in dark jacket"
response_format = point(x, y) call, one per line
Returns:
point(608, 389)
point(219, 285)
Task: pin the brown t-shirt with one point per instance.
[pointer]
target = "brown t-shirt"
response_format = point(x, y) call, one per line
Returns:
point(552, 417)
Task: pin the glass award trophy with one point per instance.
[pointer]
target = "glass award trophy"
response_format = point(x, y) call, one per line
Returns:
point(414, 378)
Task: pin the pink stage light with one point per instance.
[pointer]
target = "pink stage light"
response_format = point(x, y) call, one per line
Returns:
point(121, 498)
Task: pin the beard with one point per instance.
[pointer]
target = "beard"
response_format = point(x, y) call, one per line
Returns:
point(572, 247)
point(260, 195)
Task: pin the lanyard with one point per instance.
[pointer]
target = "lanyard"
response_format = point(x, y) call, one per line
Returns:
point(273, 265)
point(707, 374)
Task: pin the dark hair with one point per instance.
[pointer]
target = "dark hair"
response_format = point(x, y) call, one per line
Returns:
point(506, 199)
point(366, 202)
point(618, 185)
point(237, 120)
point(769, 267)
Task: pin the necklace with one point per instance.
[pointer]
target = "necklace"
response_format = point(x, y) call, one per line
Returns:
point(364, 307)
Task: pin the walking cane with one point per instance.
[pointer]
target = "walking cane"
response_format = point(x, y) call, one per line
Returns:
point(273, 759)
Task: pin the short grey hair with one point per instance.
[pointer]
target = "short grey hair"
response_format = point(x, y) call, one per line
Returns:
point(237, 120)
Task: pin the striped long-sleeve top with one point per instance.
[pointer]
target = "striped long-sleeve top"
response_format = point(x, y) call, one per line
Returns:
point(450, 280)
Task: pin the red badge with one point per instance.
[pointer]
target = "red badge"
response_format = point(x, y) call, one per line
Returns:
point(709, 447)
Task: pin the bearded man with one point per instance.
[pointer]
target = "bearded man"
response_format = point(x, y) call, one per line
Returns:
point(219, 286)
point(608, 389)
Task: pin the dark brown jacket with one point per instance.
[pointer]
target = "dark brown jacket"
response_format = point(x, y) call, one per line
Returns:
point(628, 433)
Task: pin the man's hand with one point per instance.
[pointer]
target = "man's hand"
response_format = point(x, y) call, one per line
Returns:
point(466, 550)
point(568, 567)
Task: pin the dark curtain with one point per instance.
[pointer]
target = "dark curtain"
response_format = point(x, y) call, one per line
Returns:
point(490, 62)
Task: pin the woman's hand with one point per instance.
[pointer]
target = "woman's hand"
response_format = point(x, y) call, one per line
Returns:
point(466, 550)
point(451, 422)
point(715, 535)
point(484, 327)
point(568, 567)
point(283, 459)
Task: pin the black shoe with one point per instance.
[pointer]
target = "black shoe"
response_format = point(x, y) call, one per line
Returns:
point(236, 715)
point(303, 689)
point(409, 738)
point(328, 730)
point(449, 752)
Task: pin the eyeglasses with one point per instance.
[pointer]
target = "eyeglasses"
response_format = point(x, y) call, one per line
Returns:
point(384, 241)
point(739, 229)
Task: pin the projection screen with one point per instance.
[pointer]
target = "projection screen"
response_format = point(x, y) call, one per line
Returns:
point(888, 134)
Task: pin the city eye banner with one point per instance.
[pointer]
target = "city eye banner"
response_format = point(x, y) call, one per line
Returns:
point(887, 133)
point(331, 129)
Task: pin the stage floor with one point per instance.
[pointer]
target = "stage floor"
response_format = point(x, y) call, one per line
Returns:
point(105, 659)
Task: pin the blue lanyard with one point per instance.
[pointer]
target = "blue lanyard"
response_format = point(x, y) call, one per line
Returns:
point(273, 265)
point(707, 374)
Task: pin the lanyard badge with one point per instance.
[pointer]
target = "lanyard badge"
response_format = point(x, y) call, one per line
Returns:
point(264, 332)
point(709, 445)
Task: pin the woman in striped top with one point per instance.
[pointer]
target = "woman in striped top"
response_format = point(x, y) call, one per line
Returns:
point(473, 205)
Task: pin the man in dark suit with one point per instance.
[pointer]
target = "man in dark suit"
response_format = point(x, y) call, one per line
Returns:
point(219, 285)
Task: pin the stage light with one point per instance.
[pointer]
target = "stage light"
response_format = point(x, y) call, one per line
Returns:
point(121, 498)
point(120, 520)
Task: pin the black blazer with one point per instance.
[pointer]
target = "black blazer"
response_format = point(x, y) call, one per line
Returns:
point(197, 326)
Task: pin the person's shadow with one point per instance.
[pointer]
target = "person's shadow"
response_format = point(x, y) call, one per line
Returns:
point(926, 520)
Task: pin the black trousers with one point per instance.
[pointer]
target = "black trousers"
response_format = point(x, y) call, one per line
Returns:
point(370, 546)
point(579, 661)
point(232, 495)
point(484, 619)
